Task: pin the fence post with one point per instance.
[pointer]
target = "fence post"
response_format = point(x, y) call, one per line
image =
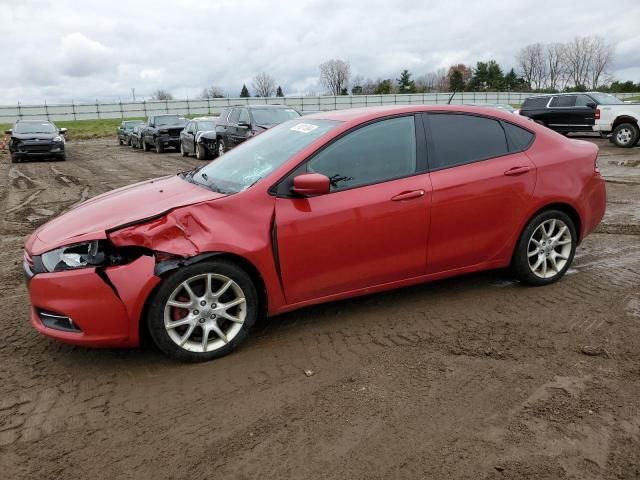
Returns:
point(73, 109)
point(98, 109)
point(121, 111)
point(188, 107)
point(209, 106)
point(166, 105)
point(19, 111)
point(46, 110)
point(144, 107)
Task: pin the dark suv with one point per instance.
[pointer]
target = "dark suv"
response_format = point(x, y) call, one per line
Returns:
point(125, 129)
point(563, 112)
point(36, 139)
point(237, 124)
point(162, 131)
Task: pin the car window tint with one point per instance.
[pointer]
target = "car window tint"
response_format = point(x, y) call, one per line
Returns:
point(244, 116)
point(458, 139)
point(582, 100)
point(563, 101)
point(519, 139)
point(374, 153)
point(235, 113)
point(535, 102)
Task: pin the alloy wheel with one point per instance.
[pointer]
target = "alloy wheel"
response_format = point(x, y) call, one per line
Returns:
point(205, 312)
point(549, 248)
point(624, 136)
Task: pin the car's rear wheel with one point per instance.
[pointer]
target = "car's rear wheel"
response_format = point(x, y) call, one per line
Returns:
point(625, 135)
point(545, 249)
point(159, 146)
point(203, 311)
point(182, 151)
point(222, 148)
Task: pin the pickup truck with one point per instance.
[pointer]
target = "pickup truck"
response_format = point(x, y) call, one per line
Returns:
point(162, 131)
point(619, 120)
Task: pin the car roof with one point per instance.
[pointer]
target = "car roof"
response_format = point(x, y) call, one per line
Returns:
point(272, 105)
point(560, 94)
point(33, 121)
point(364, 114)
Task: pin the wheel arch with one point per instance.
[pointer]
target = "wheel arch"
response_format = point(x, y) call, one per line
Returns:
point(624, 119)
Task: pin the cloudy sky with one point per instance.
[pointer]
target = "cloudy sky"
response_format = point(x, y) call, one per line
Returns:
point(87, 49)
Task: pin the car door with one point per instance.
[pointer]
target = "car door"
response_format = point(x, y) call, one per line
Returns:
point(183, 137)
point(562, 115)
point(232, 128)
point(371, 228)
point(244, 125)
point(482, 182)
point(585, 112)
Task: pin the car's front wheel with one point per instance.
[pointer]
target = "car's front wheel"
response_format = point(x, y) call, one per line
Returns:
point(545, 249)
point(183, 152)
point(203, 311)
point(145, 145)
point(625, 135)
point(201, 152)
point(159, 146)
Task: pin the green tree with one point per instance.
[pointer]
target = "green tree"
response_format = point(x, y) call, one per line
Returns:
point(456, 83)
point(383, 88)
point(279, 92)
point(405, 84)
point(244, 93)
point(513, 82)
point(487, 76)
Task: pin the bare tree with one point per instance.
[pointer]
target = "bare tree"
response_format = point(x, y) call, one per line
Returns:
point(531, 65)
point(264, 85)
point(601, 59)
point(212, 92)
point(161, 95)
point(555, 61)
point(578, 56)
point(334, 76)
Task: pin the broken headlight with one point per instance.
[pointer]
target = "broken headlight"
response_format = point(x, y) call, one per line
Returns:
point(80, 255)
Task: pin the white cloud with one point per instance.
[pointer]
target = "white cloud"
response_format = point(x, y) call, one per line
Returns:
point(64, 49)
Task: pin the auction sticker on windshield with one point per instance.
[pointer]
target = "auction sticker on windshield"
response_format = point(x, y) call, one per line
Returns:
point(304, 127)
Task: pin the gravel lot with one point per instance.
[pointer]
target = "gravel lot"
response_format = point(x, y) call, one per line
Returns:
point(473, 377)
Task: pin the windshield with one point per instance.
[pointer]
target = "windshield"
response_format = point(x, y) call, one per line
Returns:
point(206, 126)
point(169, 120)
point(35, 127)
point(129, 125)
point(606, 99)
point(266, 117)
point(257, 158)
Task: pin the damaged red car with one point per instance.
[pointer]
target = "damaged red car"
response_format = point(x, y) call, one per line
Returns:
point(319, 208)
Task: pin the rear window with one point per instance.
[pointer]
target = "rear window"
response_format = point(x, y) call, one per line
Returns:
point(535, 102)
point(519, 139)
point(459, 139)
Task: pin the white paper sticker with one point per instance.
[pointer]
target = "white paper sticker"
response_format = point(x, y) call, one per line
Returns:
point(304, 127)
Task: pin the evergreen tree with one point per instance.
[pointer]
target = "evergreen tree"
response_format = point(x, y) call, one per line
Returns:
point(456, 83)
point(279, 92)
point(244, 93)
point(405, 84)
point(383, 87)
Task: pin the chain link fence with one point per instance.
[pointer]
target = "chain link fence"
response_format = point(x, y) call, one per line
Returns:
point(213, 106)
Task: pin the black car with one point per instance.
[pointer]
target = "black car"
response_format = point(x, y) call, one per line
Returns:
point(162, 131)
point(237, 124)
point(36, 139)
point(125, 129)
point(563, 112)
point(199, 137)
point(135, 137)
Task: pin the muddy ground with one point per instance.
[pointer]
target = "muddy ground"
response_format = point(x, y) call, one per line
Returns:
point(475, 377)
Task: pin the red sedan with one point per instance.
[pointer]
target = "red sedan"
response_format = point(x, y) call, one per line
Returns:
point(319, 208)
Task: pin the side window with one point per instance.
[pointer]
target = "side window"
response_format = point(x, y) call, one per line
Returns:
point(244, 116)
point(374, 153)
point(519, 139)
point(223, 115)
point(458, 139)
point(582, 100)
point(563, 101)
point(535, 102)
point(235, 113)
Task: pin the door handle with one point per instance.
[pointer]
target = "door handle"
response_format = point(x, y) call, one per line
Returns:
point(408, 195)
point(517, 170)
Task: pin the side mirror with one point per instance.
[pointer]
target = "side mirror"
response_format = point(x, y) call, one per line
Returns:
point(311, 184)
point(244, 124)
point(62, 131)
point(8, 132)
point(591, 105)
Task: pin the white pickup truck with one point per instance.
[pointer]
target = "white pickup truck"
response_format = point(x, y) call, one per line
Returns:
point(618, 119)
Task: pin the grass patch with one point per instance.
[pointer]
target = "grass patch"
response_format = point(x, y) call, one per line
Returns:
point(81, 129)
point(632, 99)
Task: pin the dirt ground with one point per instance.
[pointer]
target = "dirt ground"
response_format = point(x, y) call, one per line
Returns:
point(476, 377)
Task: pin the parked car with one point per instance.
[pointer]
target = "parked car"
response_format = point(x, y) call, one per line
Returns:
point(124, 131)
point(135, 137)
point(618, 120)
point(565, 112)
point(237, 124)
point(199, 137)
point(36, 139)
point(162, 131)
point(319, 208)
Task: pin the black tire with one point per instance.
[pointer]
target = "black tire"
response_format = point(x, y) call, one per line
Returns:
point(62, 157)
point(128, 141)
point(520, 261)
point(183, 152)
point(159, 146)
point(201, 152)
point(156, 309)
point(625, 135)
point(14, 159)
point(145, 145)
point(120, 141)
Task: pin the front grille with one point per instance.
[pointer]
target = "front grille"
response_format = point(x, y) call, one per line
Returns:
point(174, 132)
point(36, 147)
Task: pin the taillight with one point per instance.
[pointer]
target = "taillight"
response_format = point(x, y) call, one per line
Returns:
point(597, 114)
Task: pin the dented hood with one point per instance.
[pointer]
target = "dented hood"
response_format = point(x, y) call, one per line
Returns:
point(91, 219)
